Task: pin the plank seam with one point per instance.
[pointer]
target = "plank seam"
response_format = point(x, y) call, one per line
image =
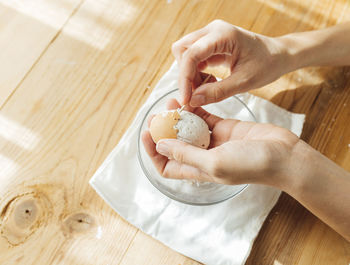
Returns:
point(75, 10)
point(127, 249)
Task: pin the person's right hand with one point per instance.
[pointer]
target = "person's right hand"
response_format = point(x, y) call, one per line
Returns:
point(254, 60)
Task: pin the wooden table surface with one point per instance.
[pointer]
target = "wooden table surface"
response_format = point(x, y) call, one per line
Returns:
point(73, 74)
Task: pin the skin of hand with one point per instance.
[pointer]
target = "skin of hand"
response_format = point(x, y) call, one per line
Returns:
point(254, 60)
point(324, 47)
point(239, 152)
point(247, 152)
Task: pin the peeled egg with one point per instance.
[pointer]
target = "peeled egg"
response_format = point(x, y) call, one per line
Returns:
point(183, 125)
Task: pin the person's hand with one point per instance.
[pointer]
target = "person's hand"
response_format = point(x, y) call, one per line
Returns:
point(239, 152)
point(247, 152)
point(254, 60)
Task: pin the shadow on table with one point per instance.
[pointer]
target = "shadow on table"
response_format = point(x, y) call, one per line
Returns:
point(315, 99)
point(79, 96)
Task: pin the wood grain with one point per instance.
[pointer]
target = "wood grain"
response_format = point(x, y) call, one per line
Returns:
point(75, 93)
point(26, 31)
point(145, 250)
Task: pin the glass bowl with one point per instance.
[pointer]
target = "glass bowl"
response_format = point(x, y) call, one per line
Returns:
point(194, 193)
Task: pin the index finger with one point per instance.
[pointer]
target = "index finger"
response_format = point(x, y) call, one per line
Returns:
point(199, 51)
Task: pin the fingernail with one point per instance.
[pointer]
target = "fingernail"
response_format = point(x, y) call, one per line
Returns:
point(197, 100)
point(163, 149)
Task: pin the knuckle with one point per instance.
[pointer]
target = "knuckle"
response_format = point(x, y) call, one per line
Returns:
point(228, 46)
point(192, 54)
point(178, 155)
point(165, 173)
point(182, 173)
point(175, 47)
point(217, 22)
point(233, 30)
point(219, 93)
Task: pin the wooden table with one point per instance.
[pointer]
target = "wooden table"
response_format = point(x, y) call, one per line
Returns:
point(73, 75)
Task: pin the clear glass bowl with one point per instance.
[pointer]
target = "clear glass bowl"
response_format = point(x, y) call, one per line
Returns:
point(182, 190)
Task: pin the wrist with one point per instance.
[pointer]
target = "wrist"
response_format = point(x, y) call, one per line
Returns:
point(325, 47)
point(301, 50)
point(307, 170)
point(321, 186)
point(292, 171)
point(286, 169)
point(291, 52)
point(298, 169)
point(279, 58)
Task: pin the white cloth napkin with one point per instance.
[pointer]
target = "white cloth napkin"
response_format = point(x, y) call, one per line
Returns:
point(218, 234)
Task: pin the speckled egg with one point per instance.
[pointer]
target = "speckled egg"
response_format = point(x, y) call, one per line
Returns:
point(183, 125)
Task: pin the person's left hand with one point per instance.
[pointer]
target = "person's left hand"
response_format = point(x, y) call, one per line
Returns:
point(239, 152)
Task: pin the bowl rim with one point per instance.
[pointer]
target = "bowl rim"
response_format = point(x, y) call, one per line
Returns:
point(145, 171)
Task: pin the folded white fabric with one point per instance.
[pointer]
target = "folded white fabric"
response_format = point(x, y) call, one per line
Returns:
point(218, 234)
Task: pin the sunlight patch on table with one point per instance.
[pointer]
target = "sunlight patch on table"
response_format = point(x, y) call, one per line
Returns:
point(296, 12)
point(94, 35)
point(17, 134)
point(48, 12)
point(8, 168)
point(92, 24)
point(126, 10)
point(303, 11)
point(95, 22)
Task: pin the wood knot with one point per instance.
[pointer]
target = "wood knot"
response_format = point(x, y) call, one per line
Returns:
point(78, 223)
point(22, 216)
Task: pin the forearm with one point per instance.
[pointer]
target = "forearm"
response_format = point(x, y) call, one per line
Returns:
point(321, 186)
point(330, 46)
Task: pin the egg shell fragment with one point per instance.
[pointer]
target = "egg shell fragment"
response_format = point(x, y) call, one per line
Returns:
point(163, 125)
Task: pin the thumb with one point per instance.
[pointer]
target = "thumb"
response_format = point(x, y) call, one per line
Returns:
point(216, 91)
point(184, 153)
